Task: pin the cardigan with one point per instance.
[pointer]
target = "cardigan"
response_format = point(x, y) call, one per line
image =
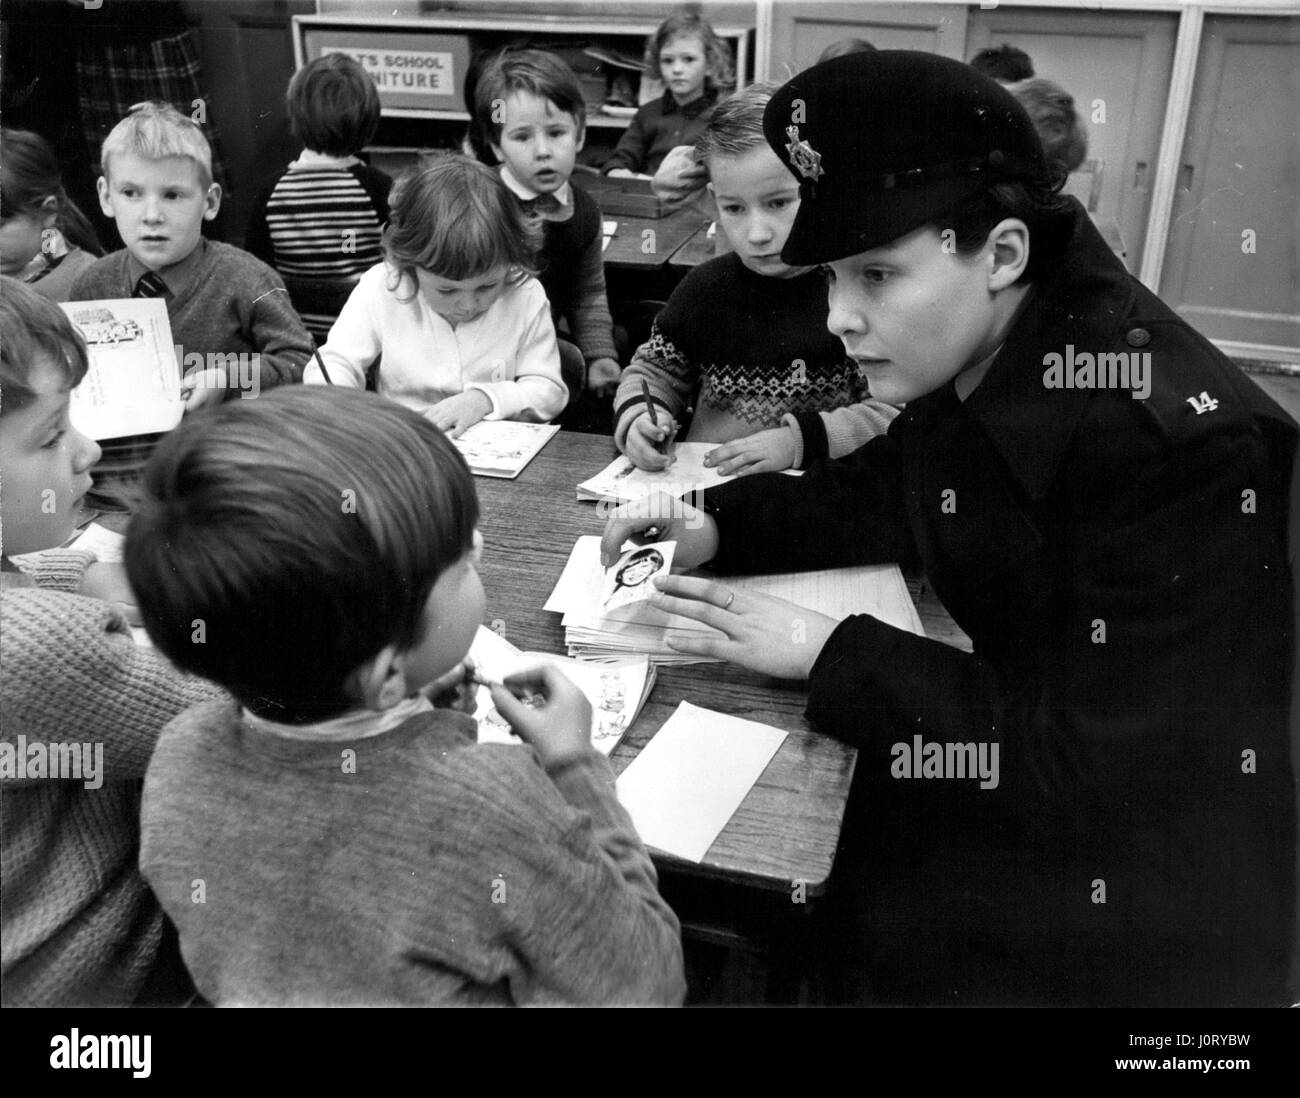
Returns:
point(509, 353)
point(751, 352)
point(79, 925)
point(409, 867)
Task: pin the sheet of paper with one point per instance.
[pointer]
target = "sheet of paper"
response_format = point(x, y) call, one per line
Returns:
point(133, 386)
point(616, 690)
point(622, 480)
point(691, 777)
point(628, 581)
point(608, 229)
point(103, 542)
point(503, 447)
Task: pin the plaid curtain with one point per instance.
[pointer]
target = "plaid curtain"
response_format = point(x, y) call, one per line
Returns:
point(113, 78)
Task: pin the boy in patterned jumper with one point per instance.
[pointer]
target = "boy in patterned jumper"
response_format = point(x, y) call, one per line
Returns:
point(744, 337)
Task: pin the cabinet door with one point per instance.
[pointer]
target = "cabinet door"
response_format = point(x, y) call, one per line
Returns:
point(1117, 66)
point(801, 29)
point(1232, 267)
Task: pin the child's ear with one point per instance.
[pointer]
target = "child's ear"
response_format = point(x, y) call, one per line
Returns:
point(105, 206)
point(380, 682)
point(1010, 240)
point(212, 202)
point(49, 212)
point(496, 151)
point(581, 138)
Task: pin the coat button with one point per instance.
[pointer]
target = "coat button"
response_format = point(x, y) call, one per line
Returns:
point(1138, 337)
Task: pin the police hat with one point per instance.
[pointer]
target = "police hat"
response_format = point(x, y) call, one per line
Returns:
point(884, 142)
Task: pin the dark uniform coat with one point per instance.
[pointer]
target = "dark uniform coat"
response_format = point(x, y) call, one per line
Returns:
point(1120, 566)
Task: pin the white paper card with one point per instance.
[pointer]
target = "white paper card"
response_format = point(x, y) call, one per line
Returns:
point(691, 777)
point(133, 386)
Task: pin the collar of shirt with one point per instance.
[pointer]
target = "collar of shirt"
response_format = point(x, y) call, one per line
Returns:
point(560, 208)
point(694, 108)
point(309, 158)
point(360, 724)
point(177, 277)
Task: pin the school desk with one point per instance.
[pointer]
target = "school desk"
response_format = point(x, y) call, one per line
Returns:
point(742, 895)
point(632, 248)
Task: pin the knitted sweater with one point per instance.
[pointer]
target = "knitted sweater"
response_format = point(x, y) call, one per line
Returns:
point(79, 925)
point(301, 225)
point(509, 353)
point(751, 353)
point(409, 867)
point(658, 127)
point(233, 304)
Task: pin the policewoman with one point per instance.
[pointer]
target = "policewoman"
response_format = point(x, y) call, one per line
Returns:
point(1099, 498)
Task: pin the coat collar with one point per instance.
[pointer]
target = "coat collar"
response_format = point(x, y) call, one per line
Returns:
point(1083, 302)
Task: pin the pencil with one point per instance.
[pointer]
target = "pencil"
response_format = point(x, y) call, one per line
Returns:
point(645, 391)
point(321, 363)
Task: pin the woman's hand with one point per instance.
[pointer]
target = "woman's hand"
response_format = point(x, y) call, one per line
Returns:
point(763, 452)
point(457, 414)
point(694, 531)
point(763, 633)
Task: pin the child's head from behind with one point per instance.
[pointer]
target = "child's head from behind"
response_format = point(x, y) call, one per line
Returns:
point(312, 551)
point(757, 197)
point(1005, 64)
point(689, 56)
point(45, 461)
point(922, 185)
point(459, 236)
point(333, 105)
point(1051, 109)
point(157, 184)
point(529, 108)
point(32, 201)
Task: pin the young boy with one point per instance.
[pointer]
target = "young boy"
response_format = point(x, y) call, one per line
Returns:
point(234, 327)
point(79, 925)
point(529, 109)
point(324, 216)
point(744, 338)
point(355, 845)
point(1095, 806)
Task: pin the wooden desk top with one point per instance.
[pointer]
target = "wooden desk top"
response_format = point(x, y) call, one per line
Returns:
point(633, 250)
point(788, 827)
point(699, 248)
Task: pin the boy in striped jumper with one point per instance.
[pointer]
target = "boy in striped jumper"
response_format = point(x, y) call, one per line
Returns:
point(324, 215)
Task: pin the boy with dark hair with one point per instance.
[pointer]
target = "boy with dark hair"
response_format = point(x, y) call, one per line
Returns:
point(1100, 499)
point(530, 116)
point(324, 216)
point(325, 541)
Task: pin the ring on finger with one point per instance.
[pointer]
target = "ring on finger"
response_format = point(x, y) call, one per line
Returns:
point(731, 597)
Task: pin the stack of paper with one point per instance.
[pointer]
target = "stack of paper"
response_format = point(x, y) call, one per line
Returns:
point(590, 633)
point(621, 481)
point(616, 689)
point(502, 447)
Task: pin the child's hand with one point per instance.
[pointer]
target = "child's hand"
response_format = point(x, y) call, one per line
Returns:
point(764, 452)
point(454, 690)
point(602, 376)
point(644, 439)
point(457, 414)
point(108, 581)
point(558, 725)
point(679, 176)
point(203, 387)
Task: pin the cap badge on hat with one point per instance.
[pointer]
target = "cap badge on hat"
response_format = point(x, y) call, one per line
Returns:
point(806, 160)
